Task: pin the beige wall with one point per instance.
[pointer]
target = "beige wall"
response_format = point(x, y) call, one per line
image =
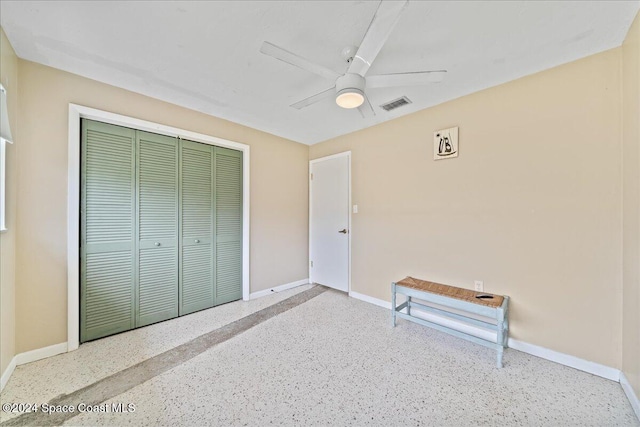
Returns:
point(9, 78)
point(532, 205)
point(279, 194)
point(631, 205)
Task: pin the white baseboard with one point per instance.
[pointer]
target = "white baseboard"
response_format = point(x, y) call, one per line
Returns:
point(280, 288)
point(370, 300)
point(31, 356)
point(567, 360)
point(631, 395)
point(7, 373)
point(41, 353)
point(544, 353)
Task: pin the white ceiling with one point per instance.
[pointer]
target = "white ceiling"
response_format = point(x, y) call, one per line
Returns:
point(205, 55)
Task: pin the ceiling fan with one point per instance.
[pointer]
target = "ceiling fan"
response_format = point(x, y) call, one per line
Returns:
point(349, 88)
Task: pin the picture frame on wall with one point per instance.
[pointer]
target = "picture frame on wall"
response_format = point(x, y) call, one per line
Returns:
point(445, 143)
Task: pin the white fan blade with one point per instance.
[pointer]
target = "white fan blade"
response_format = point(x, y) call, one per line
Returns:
point(314, 98)
point(366, 110)
point(384, 20)
point(406, 79)
point(298, 61)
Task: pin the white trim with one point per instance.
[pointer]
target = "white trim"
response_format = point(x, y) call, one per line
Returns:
point(73, 230)
point(333, 156)
point(631, 395)
point(73, 200)
point(31, 356)
point(7, 373)
point(311, 162)
point(567, 360)
point(544, 353)
point(3, 173)
point(277, 289)
point(350, 215)
point(371, 300)
point(41, 353)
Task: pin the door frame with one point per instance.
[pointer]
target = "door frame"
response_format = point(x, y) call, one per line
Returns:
point(77, 112)
point(346, 154)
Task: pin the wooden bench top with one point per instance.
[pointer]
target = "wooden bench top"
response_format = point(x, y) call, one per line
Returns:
point(451, 291)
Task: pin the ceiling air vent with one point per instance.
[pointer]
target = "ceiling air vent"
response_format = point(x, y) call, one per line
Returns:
point(396, 103)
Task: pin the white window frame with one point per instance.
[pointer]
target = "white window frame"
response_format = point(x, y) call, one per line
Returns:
point(77, 112)
point(3, 184)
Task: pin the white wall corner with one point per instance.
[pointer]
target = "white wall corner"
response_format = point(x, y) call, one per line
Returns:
point(7, 373)
point(631, 395)
point(279, 288)
point(31, 356)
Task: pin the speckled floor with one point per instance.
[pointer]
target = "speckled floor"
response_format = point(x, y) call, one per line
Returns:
point(332, 360)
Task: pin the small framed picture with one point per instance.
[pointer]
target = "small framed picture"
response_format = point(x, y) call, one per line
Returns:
point(445, 143)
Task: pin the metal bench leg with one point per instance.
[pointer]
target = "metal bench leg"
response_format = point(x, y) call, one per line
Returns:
point(505, 342)
point(506, 324)
point(409, 305)
point(393, 304)
point(500, 339)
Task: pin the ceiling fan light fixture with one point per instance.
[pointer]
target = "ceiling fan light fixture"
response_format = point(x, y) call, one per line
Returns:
point(350, 98)
point(350, 90)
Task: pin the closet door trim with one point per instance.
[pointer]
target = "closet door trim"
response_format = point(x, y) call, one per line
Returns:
point(76, 112)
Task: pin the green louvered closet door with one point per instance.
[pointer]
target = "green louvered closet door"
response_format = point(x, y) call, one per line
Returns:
point(228, 224)
point(197, 250)
point(107, 243)
point(211, 256)
point(161, 228)
point(158, 228)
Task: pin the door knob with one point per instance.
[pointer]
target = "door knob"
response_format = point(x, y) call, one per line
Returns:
point(197, 241)
point(343, 231)
point(157, 243)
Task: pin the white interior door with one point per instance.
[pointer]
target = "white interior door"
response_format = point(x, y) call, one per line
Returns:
point(329, 221)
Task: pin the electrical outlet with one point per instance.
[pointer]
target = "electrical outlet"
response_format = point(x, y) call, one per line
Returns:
point(478, 285)
point(355, 208)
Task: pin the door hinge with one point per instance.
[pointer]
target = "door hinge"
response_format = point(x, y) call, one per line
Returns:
point(311, 263)
point(311, 177)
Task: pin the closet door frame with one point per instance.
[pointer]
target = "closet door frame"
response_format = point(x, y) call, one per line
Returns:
point(78, 112)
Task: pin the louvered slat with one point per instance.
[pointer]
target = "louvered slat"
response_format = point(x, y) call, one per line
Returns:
point(158, 187)
point(108, 194)
point(228, 227)
point(158, 228)
point(197, 212)
point(107, 230)
point(109, 292)
point(197, 227)
point(229, 271)
point(197, 278)
point(158, 290)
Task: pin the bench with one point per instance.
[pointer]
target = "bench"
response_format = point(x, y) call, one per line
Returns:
point(478, 303)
